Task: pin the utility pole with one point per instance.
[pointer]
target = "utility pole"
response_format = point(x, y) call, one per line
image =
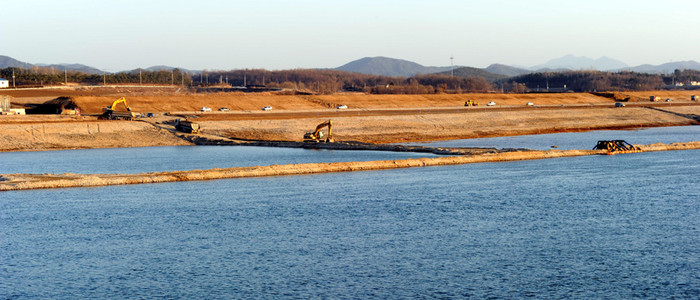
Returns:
point(104, 77)
point(13, 78)
point(452, 66)
point(140, 78)
point(172, 77)
point(65, 75)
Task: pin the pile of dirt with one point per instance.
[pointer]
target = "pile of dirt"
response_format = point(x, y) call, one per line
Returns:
point(41, 136)
point(615, 96)
point(53, 106)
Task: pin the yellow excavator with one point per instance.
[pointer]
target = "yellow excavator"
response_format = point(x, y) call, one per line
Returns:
point(471, 102)
point(317, 135)
point(108, 113)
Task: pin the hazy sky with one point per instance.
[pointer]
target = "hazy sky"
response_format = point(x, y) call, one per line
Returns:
point(276, 34)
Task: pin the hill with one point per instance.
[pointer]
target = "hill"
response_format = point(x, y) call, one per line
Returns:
point(572, 62)
point(385, 66)
point(73, 67)
point(474, 72)
point(9, 62)
point(666, 68)
point(506, 70)
point(166, 68)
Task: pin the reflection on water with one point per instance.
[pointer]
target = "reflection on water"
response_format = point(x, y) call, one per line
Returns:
point(620, 227)
point(580, 140)
point(172, 158)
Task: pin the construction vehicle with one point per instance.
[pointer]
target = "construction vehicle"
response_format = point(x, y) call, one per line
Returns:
point(616, 146)
point(317, 135)
point(108, 113)
point(471, 102)
point(186, 126)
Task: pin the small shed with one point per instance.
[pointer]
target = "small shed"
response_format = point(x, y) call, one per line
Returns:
point(4, 83)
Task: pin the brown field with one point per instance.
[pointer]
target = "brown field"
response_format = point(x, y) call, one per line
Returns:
point(370, 118)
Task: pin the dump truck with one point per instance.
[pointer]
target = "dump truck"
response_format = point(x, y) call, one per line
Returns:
point(317, 135)
point(186, 126)
point(109, 112)
point(470, 102)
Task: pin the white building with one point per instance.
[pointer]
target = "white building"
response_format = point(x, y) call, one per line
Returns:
point(4, 83)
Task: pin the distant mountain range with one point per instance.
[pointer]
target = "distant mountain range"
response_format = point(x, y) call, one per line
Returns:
point(9, 62)
point(398, 67)
point(72, 67)
point(665, 68)
point(571, 62)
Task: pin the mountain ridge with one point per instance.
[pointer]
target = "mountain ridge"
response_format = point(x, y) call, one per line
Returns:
point(572, 62)
point(386, 66)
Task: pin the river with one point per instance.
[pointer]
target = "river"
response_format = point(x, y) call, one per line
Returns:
point(623, 226)
point(579, 140)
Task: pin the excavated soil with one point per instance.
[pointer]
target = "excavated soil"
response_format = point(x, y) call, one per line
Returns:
point(369, 118)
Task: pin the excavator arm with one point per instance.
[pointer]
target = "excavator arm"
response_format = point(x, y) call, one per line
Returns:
point(328, 123)
point(109, 112)
point(120, 100)
point(316, 135)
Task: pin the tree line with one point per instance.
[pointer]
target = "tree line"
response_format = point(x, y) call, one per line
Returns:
point(332, 81)
point(41, 76)
point(319, 81)
point(592, 81)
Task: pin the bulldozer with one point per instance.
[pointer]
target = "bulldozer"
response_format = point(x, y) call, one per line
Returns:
point(317, 135)
point(108, 113)
point(471, 102)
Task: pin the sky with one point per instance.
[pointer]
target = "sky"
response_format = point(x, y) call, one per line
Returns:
point(277, 34)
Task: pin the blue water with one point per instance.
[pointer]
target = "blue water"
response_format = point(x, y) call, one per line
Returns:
point(173, 158)
point(619, 227)
point(580, 140)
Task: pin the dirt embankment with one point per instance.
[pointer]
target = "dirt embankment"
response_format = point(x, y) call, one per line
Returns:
point(369, 118)
point(428, 127)
point(40, 136)
point(42, 181)
point(239, 101)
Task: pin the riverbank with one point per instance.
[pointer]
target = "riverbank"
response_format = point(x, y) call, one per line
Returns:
point(43, 132)
point(10, 182)
point(377, 119)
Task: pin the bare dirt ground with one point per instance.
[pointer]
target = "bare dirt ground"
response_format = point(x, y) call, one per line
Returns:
point(369, 118)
